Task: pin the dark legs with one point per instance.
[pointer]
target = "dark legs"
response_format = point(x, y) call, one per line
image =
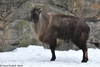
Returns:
point(52, 48)
point(85, 51)
point(82, 45)
point(85, 54)
point(53, 53)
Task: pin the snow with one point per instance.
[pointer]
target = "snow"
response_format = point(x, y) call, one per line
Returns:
point(37, 56)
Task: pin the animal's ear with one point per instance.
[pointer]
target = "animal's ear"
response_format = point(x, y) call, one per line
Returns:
point(38, 8)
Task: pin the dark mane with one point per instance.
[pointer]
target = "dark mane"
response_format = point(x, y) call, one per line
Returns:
point(35, 14)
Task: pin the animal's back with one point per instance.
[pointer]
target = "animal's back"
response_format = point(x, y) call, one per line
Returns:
point(68, 26)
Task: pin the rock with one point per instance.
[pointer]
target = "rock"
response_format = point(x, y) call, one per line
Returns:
point(8, 6)
point(10, 34)
point(24, 32)
point(8, 38)
point(1, 44)
point(40, 1)
point(81, 8)
point(7, 48)
point(18, 35)
point(21, 13)
point(2, 23)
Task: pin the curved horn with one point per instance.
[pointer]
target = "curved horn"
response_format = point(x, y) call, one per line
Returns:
point(39, 6)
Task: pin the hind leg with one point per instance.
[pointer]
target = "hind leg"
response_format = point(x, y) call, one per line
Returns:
point(82, 45)
point(80, 40)
point(85, 51)
point(85, 54)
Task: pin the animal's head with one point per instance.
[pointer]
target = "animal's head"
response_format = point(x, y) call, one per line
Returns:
point(35, 14)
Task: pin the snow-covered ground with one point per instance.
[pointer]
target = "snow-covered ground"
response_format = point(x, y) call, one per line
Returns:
point(37, 56)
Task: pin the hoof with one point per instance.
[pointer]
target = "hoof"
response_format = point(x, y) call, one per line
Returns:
point(52, 59)
point(84, 60)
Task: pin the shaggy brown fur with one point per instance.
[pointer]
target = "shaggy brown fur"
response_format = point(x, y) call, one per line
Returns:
point(49, 27)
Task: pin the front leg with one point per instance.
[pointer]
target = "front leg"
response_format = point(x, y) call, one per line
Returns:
point(53, 54)
point(52, 48)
